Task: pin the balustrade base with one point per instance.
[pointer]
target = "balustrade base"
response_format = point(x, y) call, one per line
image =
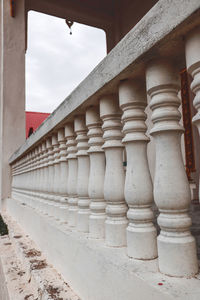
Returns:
point(94, 270)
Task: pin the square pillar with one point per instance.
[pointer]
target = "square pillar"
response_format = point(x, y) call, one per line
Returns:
point(12, 88)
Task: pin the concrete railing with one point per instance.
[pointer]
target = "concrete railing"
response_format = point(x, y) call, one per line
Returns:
point(72, 167)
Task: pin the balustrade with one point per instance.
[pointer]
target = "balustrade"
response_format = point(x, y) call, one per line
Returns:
point(75, 172)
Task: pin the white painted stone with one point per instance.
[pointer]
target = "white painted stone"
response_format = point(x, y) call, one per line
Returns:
point(41, 177)
point(37, 176)
point(44, 179)
point(83, 174)
point(56, 176)
point(62, 185)
point(97, 173)
point(141, 233)
point(50, 180)
point(116, 221)
point(176, 246)
point(72, 175)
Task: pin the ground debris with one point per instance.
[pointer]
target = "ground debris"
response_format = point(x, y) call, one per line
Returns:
point(32, 252)
point(37, 264)
point(53, 292)
point(21, 273)
point(17, 236)
point(27, 297)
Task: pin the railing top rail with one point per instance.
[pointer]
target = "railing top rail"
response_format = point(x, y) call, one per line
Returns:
point(153, 31)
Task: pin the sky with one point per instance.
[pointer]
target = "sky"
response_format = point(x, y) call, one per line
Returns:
point(56, 62)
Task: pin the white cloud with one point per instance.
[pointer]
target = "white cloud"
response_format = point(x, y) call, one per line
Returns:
point(56, 62)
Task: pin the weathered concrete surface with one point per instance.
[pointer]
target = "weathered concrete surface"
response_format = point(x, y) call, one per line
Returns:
point(95, 271)
point(15, 285)
point(24, 271)
point(159, 29)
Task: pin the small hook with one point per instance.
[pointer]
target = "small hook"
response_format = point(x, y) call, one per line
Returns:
point(69, 24)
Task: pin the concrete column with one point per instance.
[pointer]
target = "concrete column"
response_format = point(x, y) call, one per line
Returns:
point(83, 174)
point(141, 233)
point(97, 174)
point(116, 221)
point(176, 246)
point(12, 88)
point(192, 51)
point(72, 175)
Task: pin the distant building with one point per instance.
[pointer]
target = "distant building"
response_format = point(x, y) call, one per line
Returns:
point(33, 121)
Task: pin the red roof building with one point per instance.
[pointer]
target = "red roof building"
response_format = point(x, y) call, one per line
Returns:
point(33, 121)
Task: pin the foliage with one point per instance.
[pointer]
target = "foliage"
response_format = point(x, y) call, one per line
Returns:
point(3, 227)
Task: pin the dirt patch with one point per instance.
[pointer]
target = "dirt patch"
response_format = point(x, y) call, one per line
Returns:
point(7, 244)
point(28, 296)
point(32, 253)
point(21, 273)
point(38, 264)
point(53, 292)
point(17, 236)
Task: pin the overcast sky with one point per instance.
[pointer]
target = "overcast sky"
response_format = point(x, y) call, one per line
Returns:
point(56, 62)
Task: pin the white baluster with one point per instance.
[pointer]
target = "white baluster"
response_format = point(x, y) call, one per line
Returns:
point(83, 174)
point(32, 178)
point(176, 245)
point(44, 182)
point(116, 222)
point(50, 195)
point(56, 176)
point(37, 158)
point(41, 181)
point(96, 175)
point(49, 180)
point(63, 176)
point(141, 233)
point(72, 175)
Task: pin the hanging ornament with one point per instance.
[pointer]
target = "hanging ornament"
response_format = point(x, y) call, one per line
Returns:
point(69, 24)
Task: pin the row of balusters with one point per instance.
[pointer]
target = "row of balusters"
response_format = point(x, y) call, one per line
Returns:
point(77, 174)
